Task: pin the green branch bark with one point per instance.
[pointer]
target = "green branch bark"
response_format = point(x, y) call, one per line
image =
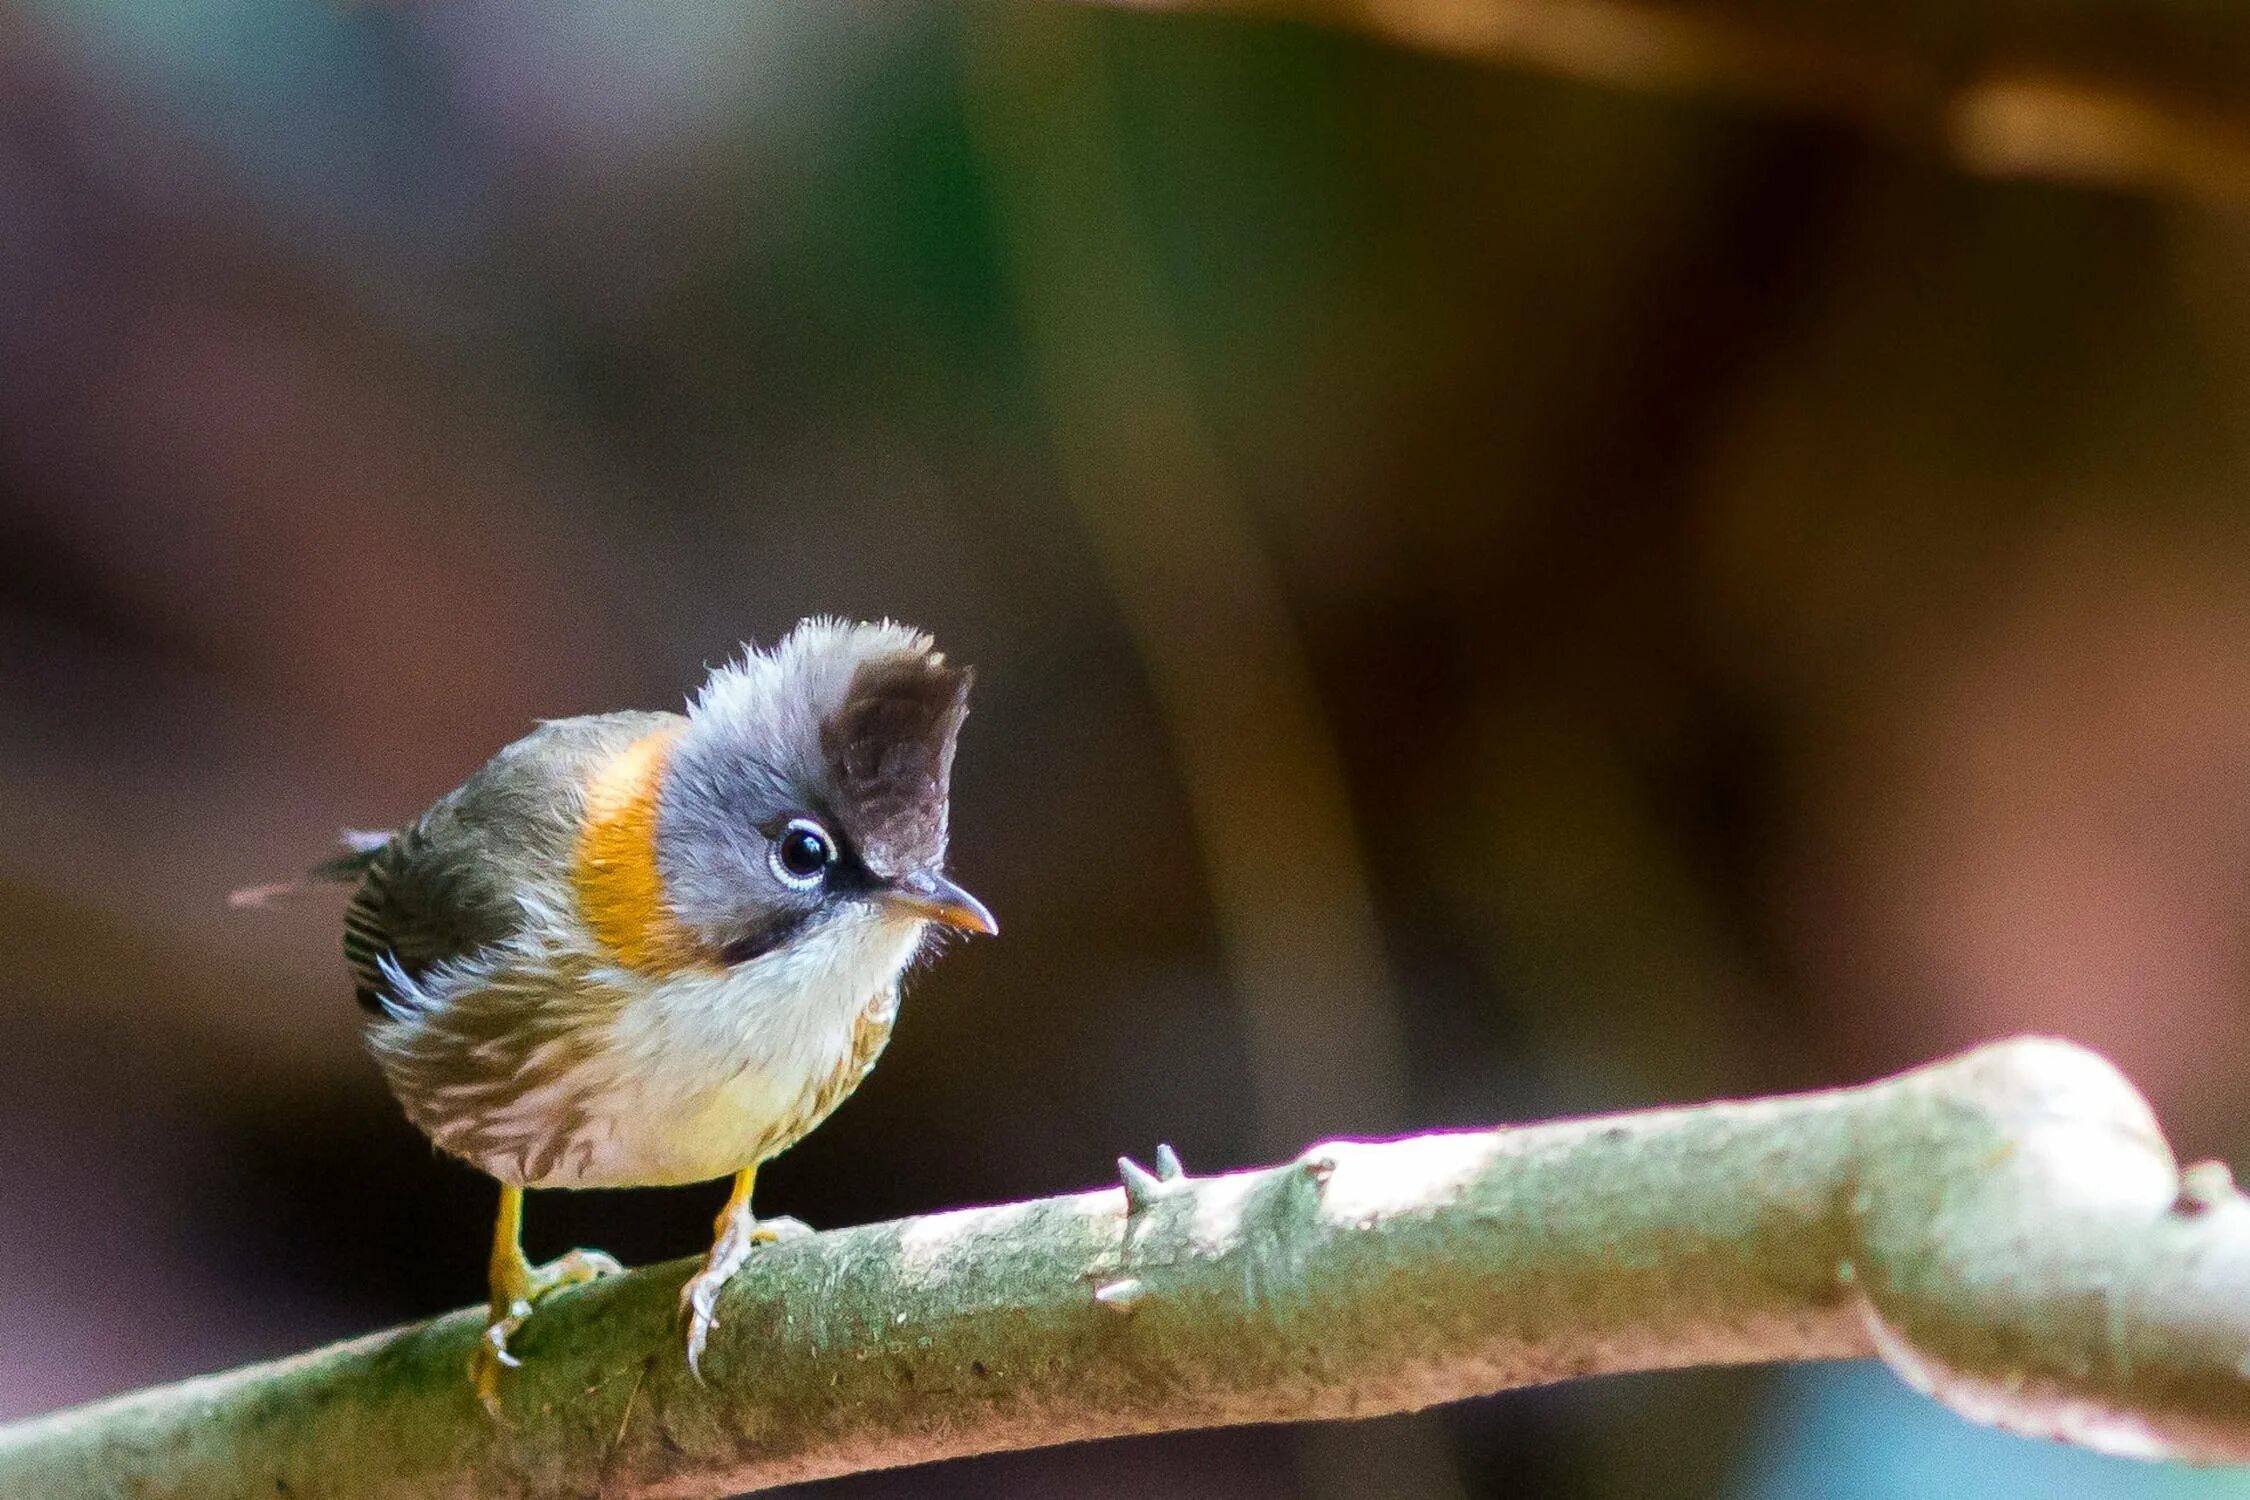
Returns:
point(2008, 1229)
point(2153, 94)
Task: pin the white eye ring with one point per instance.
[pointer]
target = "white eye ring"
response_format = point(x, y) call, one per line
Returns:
point(802, 854)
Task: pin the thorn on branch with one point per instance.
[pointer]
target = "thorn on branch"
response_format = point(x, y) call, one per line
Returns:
point(1143, 1187)
point(2203, 1187)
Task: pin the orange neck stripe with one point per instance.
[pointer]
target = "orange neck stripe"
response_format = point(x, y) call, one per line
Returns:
point(620, 889)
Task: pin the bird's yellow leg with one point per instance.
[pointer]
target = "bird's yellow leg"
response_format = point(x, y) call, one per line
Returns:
point(733, 1233)
point(736, 1214)
point(517, 1286)
point(510, 1271)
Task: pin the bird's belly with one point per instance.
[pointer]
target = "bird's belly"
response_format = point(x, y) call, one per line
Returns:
point(656, 1138)
point(679, 1104)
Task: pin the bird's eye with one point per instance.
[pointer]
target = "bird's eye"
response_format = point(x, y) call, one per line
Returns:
point(803, 853)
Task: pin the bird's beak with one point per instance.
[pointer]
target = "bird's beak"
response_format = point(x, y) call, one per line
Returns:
point(934, 898)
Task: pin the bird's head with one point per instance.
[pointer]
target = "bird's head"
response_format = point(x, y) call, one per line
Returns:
point(808, 792)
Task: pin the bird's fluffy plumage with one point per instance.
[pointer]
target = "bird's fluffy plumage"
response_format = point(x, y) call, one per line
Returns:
point(522, 1041)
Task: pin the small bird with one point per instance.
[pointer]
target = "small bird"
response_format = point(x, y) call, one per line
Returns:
point(642, 949)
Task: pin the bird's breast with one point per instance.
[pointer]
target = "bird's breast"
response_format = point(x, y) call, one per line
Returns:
point(710, 1072)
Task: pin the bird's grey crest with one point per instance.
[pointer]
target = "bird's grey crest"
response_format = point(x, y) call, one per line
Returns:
point(889, 747)
point(853, 723)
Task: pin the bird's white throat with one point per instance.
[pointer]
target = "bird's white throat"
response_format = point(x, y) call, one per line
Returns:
point(705, 1070)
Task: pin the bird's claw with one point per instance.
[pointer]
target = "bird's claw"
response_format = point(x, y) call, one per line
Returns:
point(492, 1355)
point(573, 1268)
point(699, 1299)
point(780, 1231)
point(496, 1336)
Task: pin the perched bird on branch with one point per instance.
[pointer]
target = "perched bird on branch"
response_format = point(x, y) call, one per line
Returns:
point(639, 949)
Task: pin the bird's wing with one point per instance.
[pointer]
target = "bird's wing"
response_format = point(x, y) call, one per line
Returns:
point(450, 885)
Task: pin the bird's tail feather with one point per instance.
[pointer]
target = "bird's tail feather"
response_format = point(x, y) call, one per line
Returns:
point(361, 845)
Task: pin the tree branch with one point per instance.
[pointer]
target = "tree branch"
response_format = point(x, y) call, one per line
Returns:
point(2147, 93)
point(2008, 1229)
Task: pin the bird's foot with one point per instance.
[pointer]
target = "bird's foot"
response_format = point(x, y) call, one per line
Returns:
point(699, 1299)
point(538, 1284)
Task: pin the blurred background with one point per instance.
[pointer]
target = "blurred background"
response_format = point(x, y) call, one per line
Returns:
point(1495, 594)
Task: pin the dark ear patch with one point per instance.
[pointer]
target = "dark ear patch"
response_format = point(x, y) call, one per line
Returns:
point(889, 748)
